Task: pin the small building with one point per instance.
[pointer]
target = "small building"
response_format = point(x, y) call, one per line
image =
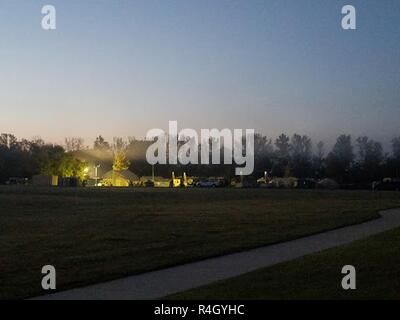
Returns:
point(123, 178)
point(44, 181)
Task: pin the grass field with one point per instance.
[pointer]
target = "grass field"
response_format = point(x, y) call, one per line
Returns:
point(93, 235)
point(318, 276)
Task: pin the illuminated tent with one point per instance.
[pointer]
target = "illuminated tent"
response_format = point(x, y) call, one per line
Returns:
point(123, 178)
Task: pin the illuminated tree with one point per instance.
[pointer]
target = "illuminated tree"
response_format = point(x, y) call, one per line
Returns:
point(53, 160)
point(120, 161)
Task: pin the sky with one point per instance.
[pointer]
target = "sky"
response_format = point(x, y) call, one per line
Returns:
point(123, 67)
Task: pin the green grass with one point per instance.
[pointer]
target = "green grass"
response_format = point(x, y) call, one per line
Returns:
point(318, 276)
point(97, 235)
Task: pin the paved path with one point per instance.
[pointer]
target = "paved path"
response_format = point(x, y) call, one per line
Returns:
point(158, 284)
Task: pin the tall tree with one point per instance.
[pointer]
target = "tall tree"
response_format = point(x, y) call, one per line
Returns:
point(74, 144)
point(8, 141)
point(301, 156)
point(281, 162)
point(263, 154)
point(101, 144)
point(283, 146)
point(370, 159)
point(120, 161)
point(340, 159)
point(396, 148)
point(392, 168)
point(319, 161)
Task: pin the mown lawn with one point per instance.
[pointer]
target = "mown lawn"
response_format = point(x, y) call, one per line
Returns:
point(318, 276)
point(93, 235)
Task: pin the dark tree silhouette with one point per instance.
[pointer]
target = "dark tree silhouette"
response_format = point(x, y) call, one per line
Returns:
point(319, 165)
point(340, 159)
point(286, 157)
point(101, 144)
point(281, 162)
point(301, 156)
point(370, 160)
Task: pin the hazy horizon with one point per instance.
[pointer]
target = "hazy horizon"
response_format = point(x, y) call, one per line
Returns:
point(123, 68)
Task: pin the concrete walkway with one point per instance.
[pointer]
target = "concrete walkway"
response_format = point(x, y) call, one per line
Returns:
point(158, 284)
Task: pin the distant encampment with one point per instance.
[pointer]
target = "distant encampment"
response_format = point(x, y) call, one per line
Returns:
point(286, 162)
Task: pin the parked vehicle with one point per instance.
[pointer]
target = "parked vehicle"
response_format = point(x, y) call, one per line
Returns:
point(17, 181)
point(327, 184)
point(209, 183)
point(71, 182)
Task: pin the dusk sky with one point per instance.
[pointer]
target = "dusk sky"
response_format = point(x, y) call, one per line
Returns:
point(120, 68)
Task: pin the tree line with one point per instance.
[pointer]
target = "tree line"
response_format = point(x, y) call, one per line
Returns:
point(26, 158)
point(360, 160)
